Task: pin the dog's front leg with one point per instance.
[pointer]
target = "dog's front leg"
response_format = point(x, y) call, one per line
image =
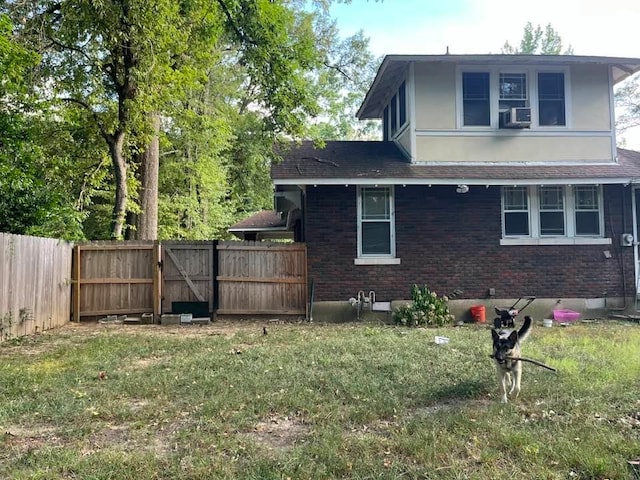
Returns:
point(515, 386)
point(503, 378)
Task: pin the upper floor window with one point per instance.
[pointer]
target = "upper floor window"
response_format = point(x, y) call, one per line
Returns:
point(552, 211)
point(376, 231)
point(385, 124)
point(475, 99)
point(402, 104)
point(551, 104)
point(394, 114)
point(488, 96)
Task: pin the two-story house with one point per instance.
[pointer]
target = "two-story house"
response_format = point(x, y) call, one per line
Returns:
point(497, 175)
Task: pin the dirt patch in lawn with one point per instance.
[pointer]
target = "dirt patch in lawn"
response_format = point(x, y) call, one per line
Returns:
point(17, 440)
point(278, 432)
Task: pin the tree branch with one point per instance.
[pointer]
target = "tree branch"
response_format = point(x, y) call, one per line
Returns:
point(338, 69)
point(62, 46)
point(234, 26)
point(107, 136)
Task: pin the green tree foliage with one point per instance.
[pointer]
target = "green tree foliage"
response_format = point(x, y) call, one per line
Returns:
point(34, 198)
point(538, 41)
point(342, 83)
point(226, 79)
point(627, 98)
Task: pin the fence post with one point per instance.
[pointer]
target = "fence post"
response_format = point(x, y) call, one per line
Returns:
point(75, 277)
point(157, 281)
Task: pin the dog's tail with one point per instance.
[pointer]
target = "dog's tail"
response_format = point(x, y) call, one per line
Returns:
point(524, 331)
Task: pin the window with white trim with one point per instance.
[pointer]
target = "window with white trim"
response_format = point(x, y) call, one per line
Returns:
point(587, 213)
point(393, 110)
point(486, 95)
point(515, 208)
point(551, 101)
point(376, 229)
point(395, 113)
point(476, 105)
point(553, 211)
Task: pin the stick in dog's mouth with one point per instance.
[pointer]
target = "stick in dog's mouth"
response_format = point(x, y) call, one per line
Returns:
point(530, 360)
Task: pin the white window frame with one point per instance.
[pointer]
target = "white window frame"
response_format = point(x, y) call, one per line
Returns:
point(563, 209)
point(532, 97)
point(536, 104)
point(570, 237)
point(377, 259)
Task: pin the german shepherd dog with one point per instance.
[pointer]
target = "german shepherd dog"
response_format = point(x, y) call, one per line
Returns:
point(506, 347)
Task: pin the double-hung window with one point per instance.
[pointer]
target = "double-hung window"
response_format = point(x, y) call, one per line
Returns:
point(476, 102)
point(515, 205)
point(551, 103)
point(376, 235)
point(587, 211)
point(552, 212)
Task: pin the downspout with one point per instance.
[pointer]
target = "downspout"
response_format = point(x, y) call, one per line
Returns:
point(622, 260)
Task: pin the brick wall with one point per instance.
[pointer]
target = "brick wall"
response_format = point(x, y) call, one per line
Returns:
point(451, 241)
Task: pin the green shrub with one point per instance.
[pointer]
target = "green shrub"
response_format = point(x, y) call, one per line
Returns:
point(426, 309)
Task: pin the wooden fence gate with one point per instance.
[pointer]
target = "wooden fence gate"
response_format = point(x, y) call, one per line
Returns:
point(188, 275)
point(116, 278)
point(262, 278)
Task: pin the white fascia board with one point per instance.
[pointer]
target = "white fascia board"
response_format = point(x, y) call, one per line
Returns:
point(456, 181)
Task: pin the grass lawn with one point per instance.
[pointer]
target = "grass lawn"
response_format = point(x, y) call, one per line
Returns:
point(310, 401)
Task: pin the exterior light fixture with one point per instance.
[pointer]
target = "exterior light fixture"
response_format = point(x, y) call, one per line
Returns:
point(462, 188)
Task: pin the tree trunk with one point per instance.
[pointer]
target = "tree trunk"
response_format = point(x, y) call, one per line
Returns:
point(147, 219)
point(116, 143)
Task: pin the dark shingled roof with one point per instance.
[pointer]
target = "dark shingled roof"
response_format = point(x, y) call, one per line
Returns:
point(368, 161)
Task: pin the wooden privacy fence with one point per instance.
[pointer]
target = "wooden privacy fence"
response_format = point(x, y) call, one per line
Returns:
point(233, 278)
point(35, 284)
point(262, 278)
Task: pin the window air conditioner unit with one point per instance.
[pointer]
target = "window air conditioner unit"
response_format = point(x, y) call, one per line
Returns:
point(518, 117)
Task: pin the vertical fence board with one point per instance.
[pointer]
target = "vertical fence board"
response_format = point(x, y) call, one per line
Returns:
point(35, 284)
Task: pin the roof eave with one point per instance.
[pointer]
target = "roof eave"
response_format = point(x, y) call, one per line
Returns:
point(485, 182)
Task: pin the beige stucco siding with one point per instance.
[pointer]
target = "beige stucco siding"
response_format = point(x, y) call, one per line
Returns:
point(512, 149)
point(590, 100)
point(435, 96)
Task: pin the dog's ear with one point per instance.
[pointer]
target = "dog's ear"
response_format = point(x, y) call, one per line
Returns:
point(513, 338)
point(494, 335)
